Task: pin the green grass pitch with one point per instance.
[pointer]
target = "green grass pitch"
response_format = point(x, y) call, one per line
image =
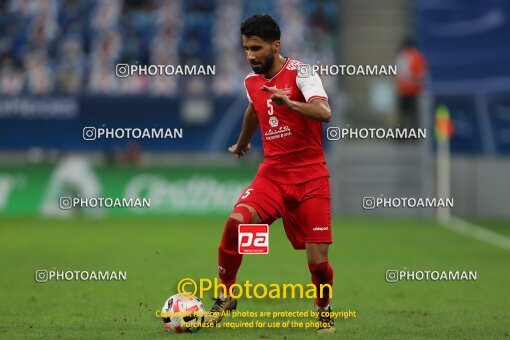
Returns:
point(157, 252)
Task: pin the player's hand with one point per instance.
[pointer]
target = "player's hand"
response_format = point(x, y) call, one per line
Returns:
point(278, 97)
point(239, 152)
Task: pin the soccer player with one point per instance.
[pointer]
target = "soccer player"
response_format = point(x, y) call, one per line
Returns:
point(289, 104)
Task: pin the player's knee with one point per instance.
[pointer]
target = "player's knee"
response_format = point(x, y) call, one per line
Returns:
point(237, 216)
point(241, 214)
point(245, 214)
point(229, 239)
point(255, 219)
point(317, 252)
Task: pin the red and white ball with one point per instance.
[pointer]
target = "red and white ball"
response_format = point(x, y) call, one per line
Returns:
point(182, 314)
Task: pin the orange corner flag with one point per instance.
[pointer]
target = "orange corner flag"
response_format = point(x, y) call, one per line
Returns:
point(444, 125)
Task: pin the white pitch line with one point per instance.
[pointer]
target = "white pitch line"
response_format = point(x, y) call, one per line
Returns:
point(477, 232)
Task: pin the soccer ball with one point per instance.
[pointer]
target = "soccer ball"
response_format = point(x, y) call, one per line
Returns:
point(182, 314)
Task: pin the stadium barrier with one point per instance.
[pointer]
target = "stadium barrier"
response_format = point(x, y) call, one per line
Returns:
point(182, 190)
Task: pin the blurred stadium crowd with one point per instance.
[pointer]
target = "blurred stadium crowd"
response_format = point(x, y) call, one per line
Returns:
point(72, 46)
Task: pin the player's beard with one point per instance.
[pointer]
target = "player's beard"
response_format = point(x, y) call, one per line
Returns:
point(263, 66)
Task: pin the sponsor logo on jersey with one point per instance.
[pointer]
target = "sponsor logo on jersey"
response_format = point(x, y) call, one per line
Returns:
point(320, 228)
point(283, 131)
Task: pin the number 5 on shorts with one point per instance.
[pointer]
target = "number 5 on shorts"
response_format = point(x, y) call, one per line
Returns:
point(247, 193)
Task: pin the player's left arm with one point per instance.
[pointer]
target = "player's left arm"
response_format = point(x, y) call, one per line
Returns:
point(316, 109)
point(316, 106)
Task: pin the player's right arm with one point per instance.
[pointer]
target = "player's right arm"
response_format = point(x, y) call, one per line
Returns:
point(250, 126)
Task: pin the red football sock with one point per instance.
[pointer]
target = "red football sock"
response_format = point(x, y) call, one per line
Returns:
point(322, 273)
point(229, 258)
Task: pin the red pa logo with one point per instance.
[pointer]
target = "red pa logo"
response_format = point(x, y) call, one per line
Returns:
point(253, 239)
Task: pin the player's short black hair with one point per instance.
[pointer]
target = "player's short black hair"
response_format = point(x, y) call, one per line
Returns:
point(261, 25)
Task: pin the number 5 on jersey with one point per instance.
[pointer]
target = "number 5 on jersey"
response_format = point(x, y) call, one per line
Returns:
point(270, 109)
point(247, 193)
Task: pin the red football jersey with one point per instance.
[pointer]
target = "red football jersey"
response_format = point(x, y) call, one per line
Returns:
point(292, 142)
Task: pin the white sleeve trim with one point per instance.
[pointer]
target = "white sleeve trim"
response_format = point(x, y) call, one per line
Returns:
point(247, 94)
point(311, 87)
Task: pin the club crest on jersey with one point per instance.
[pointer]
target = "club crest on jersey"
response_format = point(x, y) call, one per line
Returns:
point(273, 121)
point(286, 89)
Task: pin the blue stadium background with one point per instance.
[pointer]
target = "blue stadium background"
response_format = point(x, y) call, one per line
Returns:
point(469, 64)
point(67, 50)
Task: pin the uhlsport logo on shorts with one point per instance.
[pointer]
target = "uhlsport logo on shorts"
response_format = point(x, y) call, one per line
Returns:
point(253, 239)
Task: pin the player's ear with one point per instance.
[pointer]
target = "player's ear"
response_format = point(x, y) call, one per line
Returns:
point(276, 47)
